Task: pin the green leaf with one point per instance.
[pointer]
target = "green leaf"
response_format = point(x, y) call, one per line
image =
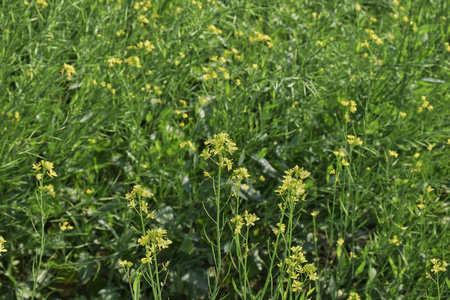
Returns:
point(394, 267)
point(360, 268)
point(136, 287)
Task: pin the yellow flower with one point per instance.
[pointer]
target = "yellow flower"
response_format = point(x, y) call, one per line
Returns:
point(339, 153)
point(114, 61)
point(393, 153)
point(340, 242)
point(48, 166)
point(347, 117)
point(241, 173)
point(352, 140)
point(315, 213)
point(217, 145)
point(225, 162)
point(213, 29)
point(133, 61)
point(49, 188)
point(144, 240)
point(239, 223)
point(69, 70)
point(148, 258)
point(2, 247)
point(354, 296)
point(125, 264)
point(250, 219)
point(280, 228)
point(438, 266)
point(394, 241)
point(353, 106)
point(144, 206)
point(66, 226)
point(296, 286)
point(42, 3)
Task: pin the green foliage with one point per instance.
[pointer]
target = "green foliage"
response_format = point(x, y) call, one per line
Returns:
point(119, 93)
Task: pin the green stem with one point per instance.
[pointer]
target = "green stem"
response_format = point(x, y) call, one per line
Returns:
point(219, 254)
point(41, 204)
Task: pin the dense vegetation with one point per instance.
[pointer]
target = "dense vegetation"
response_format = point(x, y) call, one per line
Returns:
point(224, 149)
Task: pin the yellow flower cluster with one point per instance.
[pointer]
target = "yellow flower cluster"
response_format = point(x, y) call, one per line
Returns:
point(341, 154)
point(69, 70)
point(46, 166)
point(260, 37)
point(296, 269)
point(238, 220)
point(213, 29)
point(219, 145)
point(240, 174)
point(114, 61)
point(49, 188)
point(438, 266)
point(66, 226)
point(354, 296)
point(125, 264)
point(425, 104)
point(143, 19)
point(372, 35)
point(353, 140)
point(293, 184)
point(234, 52)
point(143, 5)
point(199, 4)
point(393, 153)
point(394, 241)
point(2, 245)
point(154, 241)
point(280, 228)
point(106, 85)
point(353, 108)
point(42, 3)
point(136, 196)
point(218, 65)
point(133, 61)
point(147, 45)
point(209, 74)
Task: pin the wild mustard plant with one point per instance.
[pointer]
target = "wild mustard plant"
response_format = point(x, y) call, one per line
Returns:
point(294, 272)
point(217, 150)
point(42, 170)
point(437, 268)
point(153, 241)
point(241, 239)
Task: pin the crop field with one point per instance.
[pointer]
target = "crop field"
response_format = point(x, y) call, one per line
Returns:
point(235, 149)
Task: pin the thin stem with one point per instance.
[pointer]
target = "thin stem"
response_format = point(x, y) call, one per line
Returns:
point(219, 254)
